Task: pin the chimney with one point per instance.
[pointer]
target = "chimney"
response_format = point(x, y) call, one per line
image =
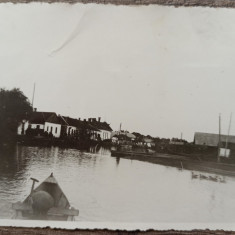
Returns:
point(79, 119)
point(84, 120)
point(35, 109)
point(99, 118)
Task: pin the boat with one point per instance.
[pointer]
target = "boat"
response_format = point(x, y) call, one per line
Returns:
point(45, 202)
point(178, 161)
point(120, 153)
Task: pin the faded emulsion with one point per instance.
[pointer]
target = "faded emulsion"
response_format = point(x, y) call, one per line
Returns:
point(117, 113)
point(113, 189)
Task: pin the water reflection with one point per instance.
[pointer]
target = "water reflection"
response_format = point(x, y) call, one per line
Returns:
point(106, 188)
point(117, 161)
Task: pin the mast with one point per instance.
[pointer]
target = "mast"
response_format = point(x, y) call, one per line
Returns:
point(226, 145)
point(218, 157)
point(120, 128)
point(33, 93)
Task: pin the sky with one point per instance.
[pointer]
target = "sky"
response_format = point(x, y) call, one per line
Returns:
point(158, 70)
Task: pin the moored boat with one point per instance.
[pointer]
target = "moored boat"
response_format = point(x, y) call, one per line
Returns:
point(46, 202)
point(118, 153)
point(181, 162)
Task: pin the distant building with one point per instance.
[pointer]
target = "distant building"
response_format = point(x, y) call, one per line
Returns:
point(176, 141)
point(212, 140)
point(148, 142)
point(100, 129)
point(126, 133)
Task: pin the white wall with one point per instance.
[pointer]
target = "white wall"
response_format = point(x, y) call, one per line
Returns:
point(26, 126)
point(34, 126)
point(95, 134)
point(105, 134)
point(56, 129)
point(70, 129)
point(19, 129)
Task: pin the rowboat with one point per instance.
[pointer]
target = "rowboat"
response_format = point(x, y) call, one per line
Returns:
point(45, 202)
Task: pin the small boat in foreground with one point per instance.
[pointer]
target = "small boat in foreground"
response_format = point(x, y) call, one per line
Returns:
point(46, 202)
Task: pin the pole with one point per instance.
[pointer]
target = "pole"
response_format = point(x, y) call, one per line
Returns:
point(218, 157)
point(32, 188)
point(226, 145)
point(33, 93)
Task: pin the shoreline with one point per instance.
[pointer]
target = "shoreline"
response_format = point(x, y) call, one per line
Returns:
point(180, 162)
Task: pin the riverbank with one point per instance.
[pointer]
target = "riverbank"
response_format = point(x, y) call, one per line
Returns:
point(180, 162)
point(59, 142)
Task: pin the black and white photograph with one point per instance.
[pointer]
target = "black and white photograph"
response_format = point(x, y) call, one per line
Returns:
point(117, 114)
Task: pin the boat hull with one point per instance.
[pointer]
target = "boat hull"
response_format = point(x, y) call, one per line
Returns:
point(177, 161)
point(61, 209)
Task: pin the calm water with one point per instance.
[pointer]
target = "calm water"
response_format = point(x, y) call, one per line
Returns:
point(105, 188)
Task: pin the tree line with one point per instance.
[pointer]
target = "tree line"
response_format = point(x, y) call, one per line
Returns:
point(14, 106)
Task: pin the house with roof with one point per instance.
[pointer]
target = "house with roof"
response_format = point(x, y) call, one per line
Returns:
point(101, 130)
point(35, 123)
point(120, 135)
point(49, 123)
point(122, 139)
point(71, 125)
point(53, 126)
point(212, 140)
point(148, 142)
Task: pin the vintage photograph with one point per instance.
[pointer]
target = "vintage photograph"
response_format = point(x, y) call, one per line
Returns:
point(118, 114)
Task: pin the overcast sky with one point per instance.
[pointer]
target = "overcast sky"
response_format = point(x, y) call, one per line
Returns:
point(157, 70)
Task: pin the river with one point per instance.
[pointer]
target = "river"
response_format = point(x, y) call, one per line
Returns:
point(109, 189)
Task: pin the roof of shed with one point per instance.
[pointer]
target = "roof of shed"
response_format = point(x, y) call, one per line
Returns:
point(211, 139)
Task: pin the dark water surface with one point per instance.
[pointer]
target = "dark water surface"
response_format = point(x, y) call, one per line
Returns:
point(108, 189)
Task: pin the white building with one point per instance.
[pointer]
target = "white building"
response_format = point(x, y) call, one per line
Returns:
point(72, 125)
point(53, 126)
point(35, 122)
point(103, 128)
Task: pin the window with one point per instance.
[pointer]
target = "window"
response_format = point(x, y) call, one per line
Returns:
point(56, 130)
point(47, 128)
point(51, 129)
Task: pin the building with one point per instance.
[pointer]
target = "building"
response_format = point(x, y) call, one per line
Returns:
point(71, 125)
point(49, 123)
point(35, 122)
point(148, 142)
point(130, 136)
point(211, 140)
point(53, 126)
point(101, 129)
point(176, 141)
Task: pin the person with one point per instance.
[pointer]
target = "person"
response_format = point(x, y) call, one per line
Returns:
point(45, 133)
point(50, 135)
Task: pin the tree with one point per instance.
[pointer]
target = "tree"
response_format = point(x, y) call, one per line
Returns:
point(14, 106)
